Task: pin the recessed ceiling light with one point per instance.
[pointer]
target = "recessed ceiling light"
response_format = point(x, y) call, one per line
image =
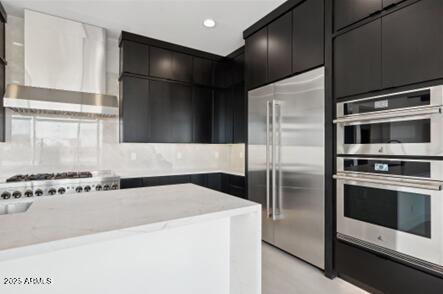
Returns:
point(209, 23)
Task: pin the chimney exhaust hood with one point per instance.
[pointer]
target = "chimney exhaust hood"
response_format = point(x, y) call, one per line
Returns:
point(65, 66)
point(43, 100)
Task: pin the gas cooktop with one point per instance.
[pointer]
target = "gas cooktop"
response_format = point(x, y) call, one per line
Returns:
point(57, 184)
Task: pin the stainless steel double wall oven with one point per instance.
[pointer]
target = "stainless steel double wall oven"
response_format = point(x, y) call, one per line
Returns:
point(390, 175)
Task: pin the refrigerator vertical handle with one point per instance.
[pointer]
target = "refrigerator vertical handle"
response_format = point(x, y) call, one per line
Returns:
point(268, 105)
point(274, 152)
point(279, 149)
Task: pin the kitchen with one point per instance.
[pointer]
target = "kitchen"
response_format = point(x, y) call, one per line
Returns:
point(233, 146)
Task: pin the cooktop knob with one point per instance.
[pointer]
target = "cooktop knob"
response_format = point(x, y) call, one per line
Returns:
point(61, 191)
point(17, 194)
point(98, 187)
point(106, 187)
point(6, 195)
point(114, 187)
point(38, 192)
point(78, 189)
point(28, 193)
point(87, 188)
point(52, 191)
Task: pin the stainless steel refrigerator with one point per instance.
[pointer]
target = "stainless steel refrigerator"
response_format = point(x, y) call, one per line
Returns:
point(286, 163)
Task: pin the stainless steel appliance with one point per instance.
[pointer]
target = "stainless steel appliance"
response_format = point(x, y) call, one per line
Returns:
point(407, 123)
point(393, 206)
point(58, 184)
point(286, 163)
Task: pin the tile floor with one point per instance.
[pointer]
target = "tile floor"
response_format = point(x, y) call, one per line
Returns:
point(284, 274)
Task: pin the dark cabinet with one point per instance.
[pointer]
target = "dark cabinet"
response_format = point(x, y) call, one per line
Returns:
point(256, 58)
point(134, 107)
point(134, 58)
point(412, 40)
point(308, 35)
point(347, 12)
point(170, 65)
point(357, 60)
point(170, 112)
point(202, 115)
point(160, 63)
point(180, 126)
point(215, 181)
point(203, 71)
point(280, 47)
point(221, 132)
point(239, 114)
point(181, 67)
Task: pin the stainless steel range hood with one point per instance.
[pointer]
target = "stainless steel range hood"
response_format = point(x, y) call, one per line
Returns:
point(43, 100)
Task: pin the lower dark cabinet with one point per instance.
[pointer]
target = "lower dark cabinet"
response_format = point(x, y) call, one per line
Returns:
point(226, 183)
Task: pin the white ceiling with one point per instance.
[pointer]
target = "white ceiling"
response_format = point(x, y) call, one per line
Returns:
point(178, 21)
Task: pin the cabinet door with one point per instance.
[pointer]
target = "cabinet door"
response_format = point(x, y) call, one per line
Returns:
point(135, 110)
point(202, 115)
point(256, 56)
point(347, 12)
point(200, 179)
point(181, 114)
point(181, 67)
point(280, 47)
point(219, 117)
point(239, 114)
point(357, 60)
point(160, 63)
point(215, 181)
point(134, 58)
point(202, 71)
point(413, 44)
point(308, 35)
point(160, 112)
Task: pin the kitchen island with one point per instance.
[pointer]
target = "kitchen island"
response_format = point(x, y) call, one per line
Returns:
point(164, 239)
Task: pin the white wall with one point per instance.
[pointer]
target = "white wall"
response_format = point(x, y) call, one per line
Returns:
point(45, 143)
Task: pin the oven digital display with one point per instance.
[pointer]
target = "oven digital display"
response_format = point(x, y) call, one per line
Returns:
point(383, 167)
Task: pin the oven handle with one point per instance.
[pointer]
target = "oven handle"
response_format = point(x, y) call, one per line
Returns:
point(427, 185)
point(389, 114)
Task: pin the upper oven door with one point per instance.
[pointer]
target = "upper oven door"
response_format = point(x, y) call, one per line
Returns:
point(402, 124)
point(403, 216)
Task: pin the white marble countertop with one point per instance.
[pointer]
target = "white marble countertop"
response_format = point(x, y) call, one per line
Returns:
point(157, 173)
point(111, 214)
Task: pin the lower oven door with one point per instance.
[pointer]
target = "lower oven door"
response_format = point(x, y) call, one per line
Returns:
point(415, 133)
point(398, 218)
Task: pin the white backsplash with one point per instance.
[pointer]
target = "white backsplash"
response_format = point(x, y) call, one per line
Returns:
point(45, 143)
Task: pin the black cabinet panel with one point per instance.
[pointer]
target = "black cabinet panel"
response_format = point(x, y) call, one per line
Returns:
point(256, 58)
point(239, 114)
point(219, 116)
point(308, 35)
point(160, 63)
point(347, 12)
point(181, 67)
point(280, 47)
point(134, 58)
point(131, 183)
point(160, 112)
point(357, 60)
point(181, 114)
point(134, 107)
point(202, 71)
point(200, 179)
point(202, 115)
point(215, 181)
point(413, 44)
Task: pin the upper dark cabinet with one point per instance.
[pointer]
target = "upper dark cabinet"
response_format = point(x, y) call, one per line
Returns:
point(413, 44)
point(280, 47)
point(160, 64)
point(134, 58)
point(256, 58)
point(202, 115)
point(357, 60)
point(347, 12)
point(239, 114)
point(181, 113)
point(181, 67)
point(170, 65)
point(134, 110)
point(203, 71)
point(308, 35)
